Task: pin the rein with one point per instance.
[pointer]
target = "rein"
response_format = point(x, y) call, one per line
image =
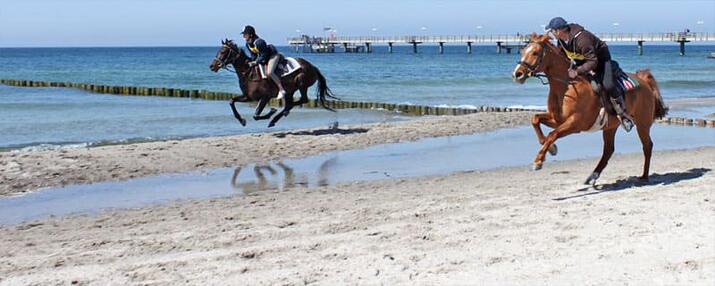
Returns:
point(231, 58)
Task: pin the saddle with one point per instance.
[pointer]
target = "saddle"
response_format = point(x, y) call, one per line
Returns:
point(624, 82)
point(285, 67)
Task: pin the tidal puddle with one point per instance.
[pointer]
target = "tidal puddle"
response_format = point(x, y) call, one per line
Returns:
point(433, 156)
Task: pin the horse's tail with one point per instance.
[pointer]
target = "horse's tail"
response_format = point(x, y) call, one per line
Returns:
point(660, 108)
point(323, 90)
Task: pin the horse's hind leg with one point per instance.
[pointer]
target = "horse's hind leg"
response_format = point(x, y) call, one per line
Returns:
point(286, 109)
point(303, 96)
point(644, 135)
point(609, 137)
point(548, 120)
point(261, 105)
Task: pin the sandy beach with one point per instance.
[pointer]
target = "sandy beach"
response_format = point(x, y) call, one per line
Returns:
point(502, 226)
point(506, 226)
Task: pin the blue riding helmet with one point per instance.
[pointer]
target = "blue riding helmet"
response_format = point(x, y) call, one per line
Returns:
point(556, 23)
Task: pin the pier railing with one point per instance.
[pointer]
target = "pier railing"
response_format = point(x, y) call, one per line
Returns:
point(409, 39)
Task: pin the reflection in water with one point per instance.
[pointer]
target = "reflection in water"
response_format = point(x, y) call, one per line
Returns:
point(280, 176)
point(427, 157)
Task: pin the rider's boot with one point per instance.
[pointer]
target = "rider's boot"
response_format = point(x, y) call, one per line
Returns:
point(619, 104)
point(277, 80)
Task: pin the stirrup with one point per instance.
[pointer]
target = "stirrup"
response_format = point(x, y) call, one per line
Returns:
point(626, 122)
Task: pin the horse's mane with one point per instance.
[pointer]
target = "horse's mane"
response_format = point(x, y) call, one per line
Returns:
point(546, 39)
point(233, 46)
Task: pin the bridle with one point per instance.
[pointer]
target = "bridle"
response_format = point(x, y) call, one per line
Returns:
point(229, 58)
point(232, 53)
point(533, 69)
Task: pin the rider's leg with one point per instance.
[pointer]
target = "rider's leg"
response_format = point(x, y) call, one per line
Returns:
point(616, 96)
point(272, 64)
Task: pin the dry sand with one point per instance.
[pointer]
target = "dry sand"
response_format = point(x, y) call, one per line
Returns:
point(506, 226)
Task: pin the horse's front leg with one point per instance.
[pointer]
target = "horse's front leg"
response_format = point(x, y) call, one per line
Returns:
point(568, 127)
point(259, 108)
point(232, 103)
point(548, 120)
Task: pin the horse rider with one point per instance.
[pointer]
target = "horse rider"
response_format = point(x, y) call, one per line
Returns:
point(590, 56)
point(262, 54)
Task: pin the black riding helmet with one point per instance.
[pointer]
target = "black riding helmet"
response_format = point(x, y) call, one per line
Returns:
point(248, 29)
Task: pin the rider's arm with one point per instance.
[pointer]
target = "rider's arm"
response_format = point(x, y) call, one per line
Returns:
point(262, 51)
point(590, 61)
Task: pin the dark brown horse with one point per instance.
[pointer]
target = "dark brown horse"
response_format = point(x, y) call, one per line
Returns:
point(255, 88)
point(573, 106)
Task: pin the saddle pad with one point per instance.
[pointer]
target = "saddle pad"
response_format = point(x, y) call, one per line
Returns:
point(285, 68)
point(601, 121)
point(626, 83)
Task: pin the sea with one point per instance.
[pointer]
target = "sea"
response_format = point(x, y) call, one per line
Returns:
point(46, 118)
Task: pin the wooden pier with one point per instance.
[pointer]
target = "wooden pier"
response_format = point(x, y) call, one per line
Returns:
point(503, 42)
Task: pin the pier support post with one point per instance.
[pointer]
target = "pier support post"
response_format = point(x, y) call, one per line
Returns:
point(367, 48)
point(389, 47)
point(499, 47)
point(414, 47)
point(640, 48)
point(441, 48)
point(345, 47)
point(469, 47)
point(682, 46)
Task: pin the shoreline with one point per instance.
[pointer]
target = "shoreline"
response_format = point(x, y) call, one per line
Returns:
point(501, 226)
point(24, 171)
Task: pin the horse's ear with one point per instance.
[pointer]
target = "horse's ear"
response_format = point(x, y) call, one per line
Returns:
point(223, 42)
point(533, 36)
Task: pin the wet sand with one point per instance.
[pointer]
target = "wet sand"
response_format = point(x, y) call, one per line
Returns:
point(28, 170)
point(504, 226)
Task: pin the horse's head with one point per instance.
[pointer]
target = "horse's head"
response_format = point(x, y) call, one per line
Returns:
point(229, 53)
point(533, 58)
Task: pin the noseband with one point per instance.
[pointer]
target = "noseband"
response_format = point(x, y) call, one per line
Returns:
point(224, 63)
point(533, 68)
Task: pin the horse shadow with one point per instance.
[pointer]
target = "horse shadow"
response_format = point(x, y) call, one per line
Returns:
point(319, 132)
point(632, 182)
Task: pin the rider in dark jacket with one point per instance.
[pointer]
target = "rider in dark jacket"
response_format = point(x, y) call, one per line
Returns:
point(590, 56)
point(263, 54)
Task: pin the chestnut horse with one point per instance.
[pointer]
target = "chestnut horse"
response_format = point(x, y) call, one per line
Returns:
point(255, 88)
point(573, 106)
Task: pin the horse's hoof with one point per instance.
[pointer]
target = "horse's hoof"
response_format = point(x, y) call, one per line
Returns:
point(242, 121)
point(591, 180)
point(271, 124)
point(553, 150)
point(643, 179)
point(536, 167)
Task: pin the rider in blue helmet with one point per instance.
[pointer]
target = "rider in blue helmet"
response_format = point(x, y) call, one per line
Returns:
point(590, 56)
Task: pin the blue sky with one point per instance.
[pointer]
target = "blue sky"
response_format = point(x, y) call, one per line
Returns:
point(59, 23)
